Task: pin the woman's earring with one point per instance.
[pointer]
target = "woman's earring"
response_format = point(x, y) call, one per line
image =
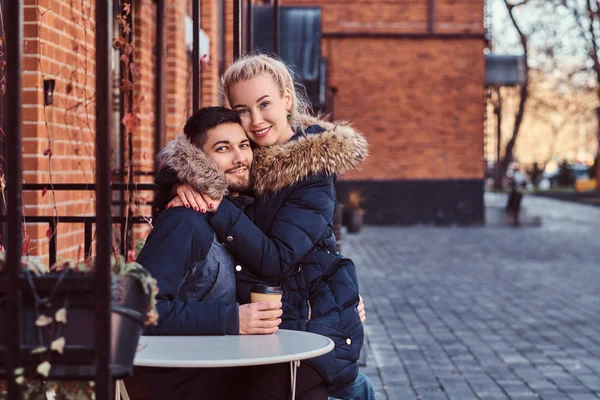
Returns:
point(289, 116)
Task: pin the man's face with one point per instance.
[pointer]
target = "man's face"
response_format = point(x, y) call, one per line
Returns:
point(228, 146)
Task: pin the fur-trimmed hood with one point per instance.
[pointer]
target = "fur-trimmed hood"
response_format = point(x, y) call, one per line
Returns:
point(192, 166)
point(339, 149)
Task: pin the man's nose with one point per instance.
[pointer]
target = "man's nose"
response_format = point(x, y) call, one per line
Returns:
point(238, 156)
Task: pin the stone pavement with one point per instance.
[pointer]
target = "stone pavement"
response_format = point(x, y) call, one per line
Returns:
point(485, 312)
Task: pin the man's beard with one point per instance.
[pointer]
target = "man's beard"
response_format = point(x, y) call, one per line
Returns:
point(239, 186)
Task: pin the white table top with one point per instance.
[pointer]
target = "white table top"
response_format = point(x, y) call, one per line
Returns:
point(229, 351)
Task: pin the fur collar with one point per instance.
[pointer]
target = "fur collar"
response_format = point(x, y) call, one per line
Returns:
point(339, 149)
point(192, 166)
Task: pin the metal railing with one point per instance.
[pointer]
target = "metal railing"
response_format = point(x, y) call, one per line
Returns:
point(88, 362)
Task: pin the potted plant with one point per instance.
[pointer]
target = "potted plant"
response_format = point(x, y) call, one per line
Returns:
point(354, 212)
point(57, 318)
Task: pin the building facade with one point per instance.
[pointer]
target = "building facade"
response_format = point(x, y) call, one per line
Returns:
point(409, 74)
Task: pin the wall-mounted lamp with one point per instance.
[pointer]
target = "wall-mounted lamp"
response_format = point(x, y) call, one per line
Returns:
point(48, 91)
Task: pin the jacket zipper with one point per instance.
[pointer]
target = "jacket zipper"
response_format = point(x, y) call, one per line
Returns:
point(309, 310)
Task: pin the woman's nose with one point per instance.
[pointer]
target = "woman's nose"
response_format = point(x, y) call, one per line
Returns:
point(257, 119)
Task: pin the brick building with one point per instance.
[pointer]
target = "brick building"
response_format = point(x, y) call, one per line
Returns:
point(409, 74)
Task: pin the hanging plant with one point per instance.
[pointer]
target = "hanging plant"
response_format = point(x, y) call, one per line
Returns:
point(50, 315)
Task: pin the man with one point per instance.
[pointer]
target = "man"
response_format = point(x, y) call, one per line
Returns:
point(195, 273)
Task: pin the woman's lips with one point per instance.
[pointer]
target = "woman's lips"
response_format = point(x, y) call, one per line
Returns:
point(262, 132)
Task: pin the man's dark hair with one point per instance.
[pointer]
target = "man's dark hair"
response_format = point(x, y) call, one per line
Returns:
point(205, 119)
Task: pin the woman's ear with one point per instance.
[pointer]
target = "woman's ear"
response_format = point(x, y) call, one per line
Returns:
point(287, 99)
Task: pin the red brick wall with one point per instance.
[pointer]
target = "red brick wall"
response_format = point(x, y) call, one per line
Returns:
point(419, 100)
point(58, 44)
point(419, 105)
point(144, 36)
point(177, 79)
point(210, 72)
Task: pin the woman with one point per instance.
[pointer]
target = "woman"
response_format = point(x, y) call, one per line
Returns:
point(285, 236)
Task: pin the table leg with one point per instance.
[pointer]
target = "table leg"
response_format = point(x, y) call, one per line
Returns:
point(121, 390)
point(293, 373)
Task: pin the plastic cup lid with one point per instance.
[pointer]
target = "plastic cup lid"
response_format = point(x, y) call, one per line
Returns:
point(266, 289)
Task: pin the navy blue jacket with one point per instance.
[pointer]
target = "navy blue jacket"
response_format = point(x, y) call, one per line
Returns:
point(285, 237)
point(194, 273)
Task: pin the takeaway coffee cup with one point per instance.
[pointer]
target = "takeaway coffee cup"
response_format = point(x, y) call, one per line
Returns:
point(266, 293)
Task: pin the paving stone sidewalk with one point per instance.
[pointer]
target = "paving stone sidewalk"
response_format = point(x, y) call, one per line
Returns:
point(486, 312)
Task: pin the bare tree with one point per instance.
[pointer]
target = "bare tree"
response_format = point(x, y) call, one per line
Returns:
point(584, 40)
point(503, 164)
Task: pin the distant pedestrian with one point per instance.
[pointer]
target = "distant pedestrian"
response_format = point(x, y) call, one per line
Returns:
point(534, 175)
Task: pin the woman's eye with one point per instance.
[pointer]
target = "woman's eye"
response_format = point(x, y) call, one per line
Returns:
point(242, 112)
point(264, 104)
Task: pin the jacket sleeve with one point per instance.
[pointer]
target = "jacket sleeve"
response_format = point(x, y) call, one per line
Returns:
point(167, 255)
point(297, 226)
point(165, 178)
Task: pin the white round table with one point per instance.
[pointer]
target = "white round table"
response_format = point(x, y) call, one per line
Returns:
point(231, 351)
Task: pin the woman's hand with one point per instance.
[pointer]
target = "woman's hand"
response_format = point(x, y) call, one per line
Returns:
point(188, 197)
point(361, 310)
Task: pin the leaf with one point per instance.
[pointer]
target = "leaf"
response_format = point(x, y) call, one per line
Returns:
point(25, 248)
point(49, 233)
point(118, 42)
point(48, 152)
point(20, 380)
point(58, 345)
point(69, 88)
point(124, 58)
point(61, 315)
point(126, 8)
point(39, 350)
point(44, 190)
point(19, 371)
point(44, 369)
point(135, 71)
point(43, 320)
point(126, 86)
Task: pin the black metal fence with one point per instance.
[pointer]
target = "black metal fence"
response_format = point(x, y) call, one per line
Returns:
point(93, 362)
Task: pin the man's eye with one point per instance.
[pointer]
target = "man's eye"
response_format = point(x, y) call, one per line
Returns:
point(244, 145)
point(222, 148)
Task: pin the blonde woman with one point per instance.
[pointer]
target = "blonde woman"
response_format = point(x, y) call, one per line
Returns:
point(284, 237)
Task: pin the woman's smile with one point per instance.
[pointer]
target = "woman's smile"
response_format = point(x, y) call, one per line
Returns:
point(262, 132)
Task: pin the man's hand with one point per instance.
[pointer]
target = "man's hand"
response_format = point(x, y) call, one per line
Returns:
point(361, 309)
point(261, 318)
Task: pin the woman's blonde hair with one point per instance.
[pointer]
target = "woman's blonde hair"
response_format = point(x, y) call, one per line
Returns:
point(250, 66)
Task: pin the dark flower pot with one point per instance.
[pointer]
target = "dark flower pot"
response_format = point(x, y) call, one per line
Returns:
point(74, 291)
point(355, 221)
point(129, 307)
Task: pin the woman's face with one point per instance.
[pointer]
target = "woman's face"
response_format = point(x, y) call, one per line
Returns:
point(262, 110)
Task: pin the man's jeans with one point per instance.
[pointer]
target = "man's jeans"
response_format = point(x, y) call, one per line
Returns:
point(361, 389)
